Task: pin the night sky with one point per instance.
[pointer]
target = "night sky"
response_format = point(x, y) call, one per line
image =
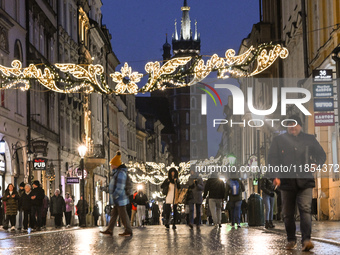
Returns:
point(138, 29)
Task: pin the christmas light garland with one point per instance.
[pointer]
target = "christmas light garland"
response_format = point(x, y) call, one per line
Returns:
point(176, 72)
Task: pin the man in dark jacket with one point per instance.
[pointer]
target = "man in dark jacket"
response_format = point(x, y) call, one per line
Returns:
point(141, 200)
point(37, 197)
point(57, 208)
point(298, 149)
point(216, 189)
point(96, 214)
point(81, 206)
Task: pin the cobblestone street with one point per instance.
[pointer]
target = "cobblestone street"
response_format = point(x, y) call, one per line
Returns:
point(155, 240)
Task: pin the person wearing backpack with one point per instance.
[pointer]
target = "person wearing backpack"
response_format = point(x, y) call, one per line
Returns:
point(119, 184)
point(234, 189)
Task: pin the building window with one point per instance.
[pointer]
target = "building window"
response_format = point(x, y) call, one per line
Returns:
point(18, 56)
point(193, 103)
point(187, 118)
point(187, 134)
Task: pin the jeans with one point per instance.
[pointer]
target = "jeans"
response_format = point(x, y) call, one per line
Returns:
point(121, 211)
point(107, 216)
point(235, 212)
point(198, 213)
point(303, 199)
point(37, 222)
point(215, 206)
point(167, 212)
point(268, 205)
point(141, 214)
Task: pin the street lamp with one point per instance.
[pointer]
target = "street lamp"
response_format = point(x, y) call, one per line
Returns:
point(82, 149)
point(30, 156)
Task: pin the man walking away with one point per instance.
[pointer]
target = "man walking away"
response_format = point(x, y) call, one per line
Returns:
point(141, 200)
point(268, 196)
point(216, 189)
point(298, 149)
point(234, 189)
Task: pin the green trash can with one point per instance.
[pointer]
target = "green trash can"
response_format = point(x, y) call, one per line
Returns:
point(255, 210)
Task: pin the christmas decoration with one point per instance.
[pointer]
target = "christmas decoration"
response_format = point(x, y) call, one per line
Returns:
point(176, 72)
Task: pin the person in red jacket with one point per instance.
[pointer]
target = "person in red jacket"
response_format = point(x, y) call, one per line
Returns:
point(134, 208)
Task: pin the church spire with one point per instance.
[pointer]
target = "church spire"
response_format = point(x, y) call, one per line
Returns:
point(196, 35)
point(186, 23)
point(175, 35)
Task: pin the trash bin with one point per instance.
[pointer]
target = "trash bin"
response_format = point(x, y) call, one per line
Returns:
point(255, 210)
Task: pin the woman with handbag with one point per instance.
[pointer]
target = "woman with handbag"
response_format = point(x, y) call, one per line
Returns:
point(170, 188)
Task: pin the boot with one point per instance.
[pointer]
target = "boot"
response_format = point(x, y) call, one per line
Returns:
point(271, 225)
point(267, 224)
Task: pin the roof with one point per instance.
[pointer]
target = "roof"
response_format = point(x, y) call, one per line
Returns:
point(156, 107)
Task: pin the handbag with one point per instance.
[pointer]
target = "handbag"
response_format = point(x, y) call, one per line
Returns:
point(183, 196)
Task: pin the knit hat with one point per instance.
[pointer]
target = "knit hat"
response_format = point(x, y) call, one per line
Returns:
point(36, 183)
point(296, 118)
point(116, 160)
point(22, 184)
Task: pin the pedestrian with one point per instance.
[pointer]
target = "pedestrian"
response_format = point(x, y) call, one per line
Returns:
point(68, 209)
point(216, 189)
point(170, 187)
point(82, 210)
point(11, 198)
point(58, 208)
point(118, 196)
point(20, 192)
point(44, 210)
point(141, 201)
point(155, 213)
point(26, 206)
point(133, 208)
point(234, 189)
point(196, 187)
point(37, 198)
point(244, 209)
point(107, 213)
point(268, 196)
point(96, 214)
point(296, 149)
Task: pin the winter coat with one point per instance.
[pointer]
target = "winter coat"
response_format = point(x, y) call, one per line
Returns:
point(141, 199)
point(196, 186)
point(57, 205)
point(11, 202)
point(215, 187)
point(290, 151)
point(45, 205)
point(96, 211)
point(69, 204)
point(267, 186)
point(117, 192)
point(166, 183)
point(234, 198)
point(80, 210)
point(26, 201)
point(39, 194)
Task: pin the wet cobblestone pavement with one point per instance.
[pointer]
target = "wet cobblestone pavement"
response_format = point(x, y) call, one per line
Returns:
point(155, 240)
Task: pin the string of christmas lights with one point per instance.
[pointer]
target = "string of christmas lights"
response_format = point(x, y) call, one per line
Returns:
point(77, 78)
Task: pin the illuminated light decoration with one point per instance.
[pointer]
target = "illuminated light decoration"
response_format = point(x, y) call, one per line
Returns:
point(81, 73)
point(156, 71)
point(91, 78)
point(265, 60)
point(126, 80)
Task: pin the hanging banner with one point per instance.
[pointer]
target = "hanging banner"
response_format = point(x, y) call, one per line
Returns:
point(40, 147)
point(323, 104)
point(323, 90)
point(322, 75)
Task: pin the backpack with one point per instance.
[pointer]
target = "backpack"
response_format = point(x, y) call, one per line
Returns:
point(128, 184)
point(235, 187)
